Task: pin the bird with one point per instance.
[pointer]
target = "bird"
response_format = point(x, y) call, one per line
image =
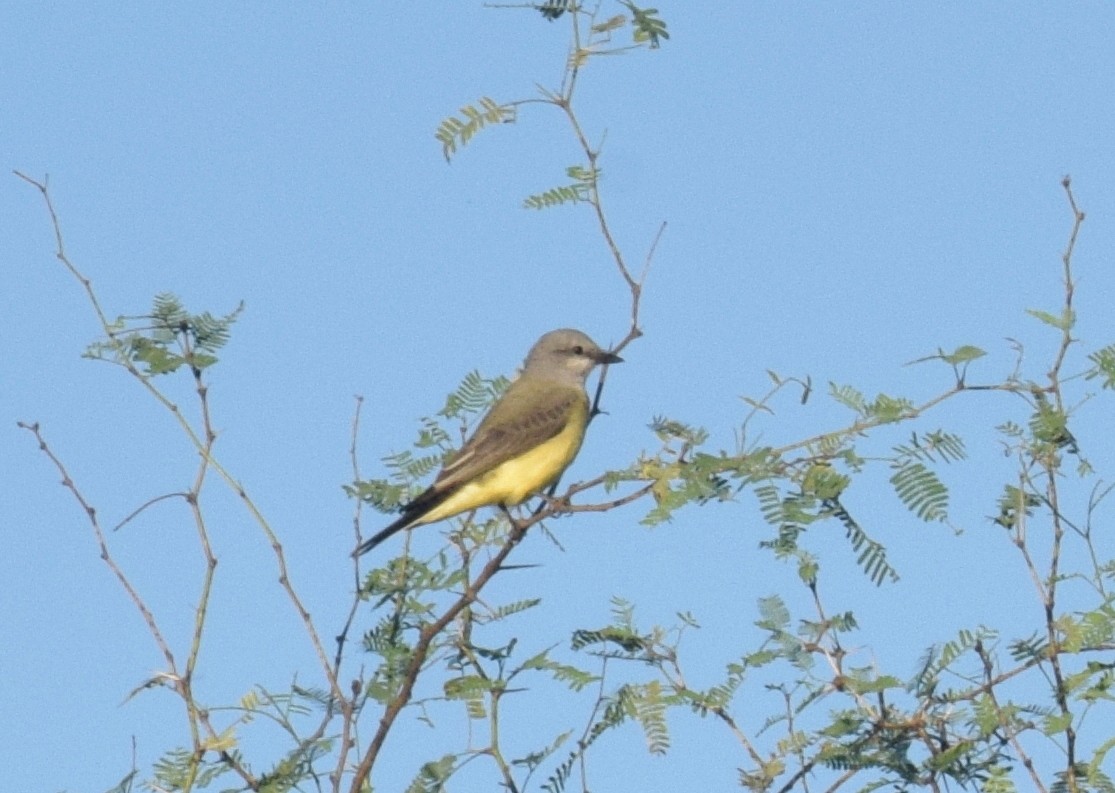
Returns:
point(524, 443)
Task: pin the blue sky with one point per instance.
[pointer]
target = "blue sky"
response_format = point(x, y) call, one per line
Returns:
point(846, 187)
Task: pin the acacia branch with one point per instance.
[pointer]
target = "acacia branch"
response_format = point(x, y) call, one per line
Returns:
point(106, 555)
point(178, 682)
point(422, 648)
point(202, 443)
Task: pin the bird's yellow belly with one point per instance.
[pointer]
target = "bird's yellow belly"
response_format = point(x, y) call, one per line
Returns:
point(517, 479)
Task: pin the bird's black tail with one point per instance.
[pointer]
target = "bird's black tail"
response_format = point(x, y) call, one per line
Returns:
point(375, 540)
point(412, 515)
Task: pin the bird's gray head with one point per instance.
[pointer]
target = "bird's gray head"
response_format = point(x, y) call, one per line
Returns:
point(566, 355)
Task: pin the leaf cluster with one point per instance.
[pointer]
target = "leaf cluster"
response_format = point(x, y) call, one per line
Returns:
point(166, 339)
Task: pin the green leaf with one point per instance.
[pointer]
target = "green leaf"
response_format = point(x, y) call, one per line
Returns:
point(626, 640)
point(573, 677)
point(584, 182)
point(125, 784)
point(849, 397)
point(1103, 366)
point(650, 712)
point(938, 446)
point(963, 354)
point(513, 608)
point(649, 28)
point(166, 339)
point(872, 685)
point(872, 553)
point(553, 9)
point(939, 658)
point(556, 196)
point(1049, 425)
point(1014, 504)
point(823, 482)
point(474, 395)
point(998, 781)
point(534, 759)
point(466, 687)
point(1064, 322)
point(921, 491)
point(457, 131)
point(608, 25)
point(1035, 648)
point(433, 775)
point(1100, 755)
point(889, 409)
point(807, 569)
point(1056, 723)
point(775, 615)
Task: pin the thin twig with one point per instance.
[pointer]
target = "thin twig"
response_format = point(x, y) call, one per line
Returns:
point(106, 555)
point(200, 443)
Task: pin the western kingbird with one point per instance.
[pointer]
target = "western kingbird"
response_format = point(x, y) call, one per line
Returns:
point(529, 437)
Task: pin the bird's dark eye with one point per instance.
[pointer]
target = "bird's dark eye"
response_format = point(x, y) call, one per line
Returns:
point(578, 350)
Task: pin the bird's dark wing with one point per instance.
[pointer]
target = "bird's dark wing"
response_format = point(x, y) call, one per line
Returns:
point(530, 413)
point(523, 419)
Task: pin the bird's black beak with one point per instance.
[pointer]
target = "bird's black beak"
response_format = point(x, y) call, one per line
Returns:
point(604, 356)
